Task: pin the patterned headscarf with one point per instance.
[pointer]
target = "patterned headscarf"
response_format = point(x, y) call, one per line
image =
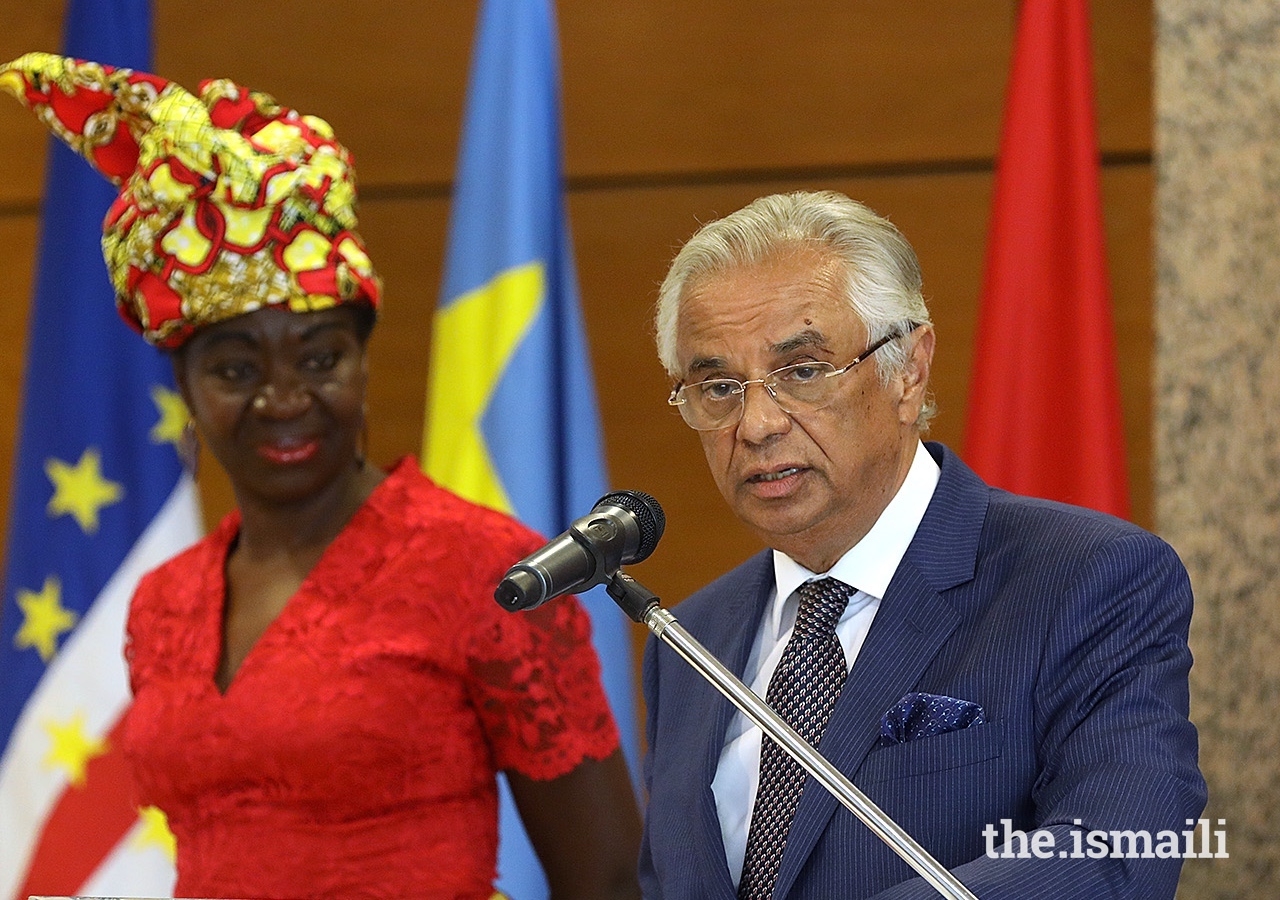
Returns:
point(228, 201)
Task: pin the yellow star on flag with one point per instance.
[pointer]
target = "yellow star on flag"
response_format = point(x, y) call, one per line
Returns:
point(45, 619)
point(155, 832)
point(173, 416)
point(80, 490)
point(71, 748)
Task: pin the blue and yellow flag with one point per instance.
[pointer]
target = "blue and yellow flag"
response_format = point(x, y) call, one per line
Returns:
point(99, 496)
point(511, 418)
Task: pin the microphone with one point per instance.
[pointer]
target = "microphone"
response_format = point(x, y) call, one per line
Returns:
point(623, 527)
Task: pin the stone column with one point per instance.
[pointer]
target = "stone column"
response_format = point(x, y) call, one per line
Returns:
point(1217, 404)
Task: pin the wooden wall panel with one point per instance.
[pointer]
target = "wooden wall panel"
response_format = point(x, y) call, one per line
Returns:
point(1126, 195)
point(17, 247)
point(26, 25)
point(652, 87)
point(1122, 53)
point(661, 86)
point(389, 76)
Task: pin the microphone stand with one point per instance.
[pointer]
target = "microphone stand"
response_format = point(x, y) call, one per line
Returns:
point(643, 606)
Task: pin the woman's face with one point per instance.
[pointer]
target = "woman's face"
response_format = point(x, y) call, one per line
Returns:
point(278, 397)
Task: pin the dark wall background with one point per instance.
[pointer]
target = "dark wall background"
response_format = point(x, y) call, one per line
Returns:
point(675, 111)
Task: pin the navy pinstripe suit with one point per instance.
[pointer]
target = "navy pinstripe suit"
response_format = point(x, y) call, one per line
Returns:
point(1068, 627)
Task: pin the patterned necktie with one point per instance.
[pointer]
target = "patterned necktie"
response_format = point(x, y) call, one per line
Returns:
point(803, 691)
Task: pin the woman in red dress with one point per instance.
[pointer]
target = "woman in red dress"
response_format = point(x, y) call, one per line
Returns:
point(325, 689)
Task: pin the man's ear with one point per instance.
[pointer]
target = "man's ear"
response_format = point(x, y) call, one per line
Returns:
point(915, 374)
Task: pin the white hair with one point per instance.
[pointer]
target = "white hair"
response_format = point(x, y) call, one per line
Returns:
point(883, 282)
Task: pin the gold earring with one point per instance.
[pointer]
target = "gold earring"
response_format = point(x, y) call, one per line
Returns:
point(260, 402)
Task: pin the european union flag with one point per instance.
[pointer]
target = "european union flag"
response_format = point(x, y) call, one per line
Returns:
point(99, 496)
point(511, 413)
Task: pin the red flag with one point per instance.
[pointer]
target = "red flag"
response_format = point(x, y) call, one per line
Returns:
point(1044, 402)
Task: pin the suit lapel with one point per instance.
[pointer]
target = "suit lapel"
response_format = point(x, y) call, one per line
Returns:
point(911, 626)
point(728, 635)
point(909, 629)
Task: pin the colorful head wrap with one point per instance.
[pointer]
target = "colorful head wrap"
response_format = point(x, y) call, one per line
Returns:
point(228, 202)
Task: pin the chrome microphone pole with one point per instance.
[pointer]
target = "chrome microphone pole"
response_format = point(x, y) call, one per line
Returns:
point(644, 607)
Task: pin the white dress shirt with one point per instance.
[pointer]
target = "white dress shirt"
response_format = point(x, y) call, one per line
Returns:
point(868, 566)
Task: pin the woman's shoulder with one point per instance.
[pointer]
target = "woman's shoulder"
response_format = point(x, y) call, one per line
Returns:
point(414, 539)
point(437, 513)
point(206, 554)
point(168, 613)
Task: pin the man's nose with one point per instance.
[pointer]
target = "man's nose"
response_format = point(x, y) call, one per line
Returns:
point(761, 414)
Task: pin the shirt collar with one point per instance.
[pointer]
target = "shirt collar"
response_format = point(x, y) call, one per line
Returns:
point(869, 564)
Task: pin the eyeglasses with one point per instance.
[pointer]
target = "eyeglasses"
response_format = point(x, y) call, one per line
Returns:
point(798, 388)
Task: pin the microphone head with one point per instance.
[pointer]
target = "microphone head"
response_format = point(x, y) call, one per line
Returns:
point(521, 588)
point(648, 514)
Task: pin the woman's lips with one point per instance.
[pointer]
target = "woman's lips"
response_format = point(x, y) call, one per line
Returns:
point(289, 452)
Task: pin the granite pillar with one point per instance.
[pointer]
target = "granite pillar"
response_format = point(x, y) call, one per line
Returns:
point(1217, 404)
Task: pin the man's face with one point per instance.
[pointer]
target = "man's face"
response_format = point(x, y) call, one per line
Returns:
point(812, 484)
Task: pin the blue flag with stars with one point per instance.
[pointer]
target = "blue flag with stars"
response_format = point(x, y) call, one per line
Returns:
point(99, 496)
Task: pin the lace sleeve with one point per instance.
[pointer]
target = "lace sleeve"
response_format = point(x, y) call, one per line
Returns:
point(536, 686)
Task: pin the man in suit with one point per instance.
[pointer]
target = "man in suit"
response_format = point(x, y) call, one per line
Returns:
point(987, 668)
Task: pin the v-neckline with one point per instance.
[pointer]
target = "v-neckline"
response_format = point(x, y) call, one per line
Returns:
point(297, 604)
point(281, 621)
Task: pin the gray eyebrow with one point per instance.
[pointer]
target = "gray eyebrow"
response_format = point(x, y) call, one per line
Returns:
point(707, 363)
point(810, 337)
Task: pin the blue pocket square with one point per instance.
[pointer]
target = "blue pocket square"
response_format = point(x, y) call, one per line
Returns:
point(918, 716)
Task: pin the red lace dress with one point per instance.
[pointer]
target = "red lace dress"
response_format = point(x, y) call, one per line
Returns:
point(354, 753)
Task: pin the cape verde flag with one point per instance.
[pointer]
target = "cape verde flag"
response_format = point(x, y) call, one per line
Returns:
point(99, 497)
point(511, 419)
